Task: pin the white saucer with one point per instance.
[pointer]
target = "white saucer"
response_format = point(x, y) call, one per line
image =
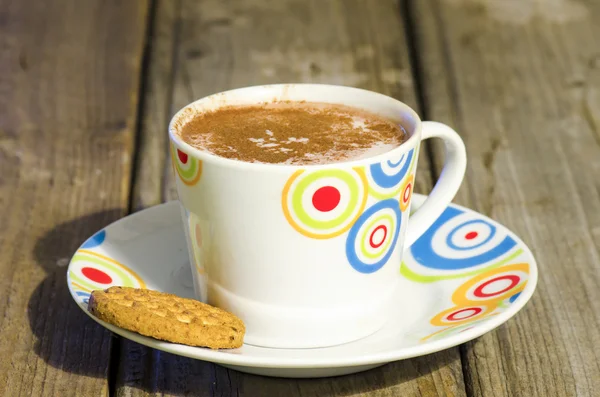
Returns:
point(463, 278)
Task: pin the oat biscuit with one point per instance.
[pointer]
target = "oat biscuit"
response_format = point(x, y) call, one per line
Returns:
point(168, 317)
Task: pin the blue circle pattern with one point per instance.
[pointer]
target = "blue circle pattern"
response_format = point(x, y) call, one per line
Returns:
point(353, 258)
point(387, 181)
point(514, 297)
point(456, 247)
point(392, 164)
point(84, 295)
point(422, 250)
point(95, 240)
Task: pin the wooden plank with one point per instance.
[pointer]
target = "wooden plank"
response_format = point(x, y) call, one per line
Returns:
point(153, 167)
point(68, 94)
point(149, 372)
point(222, 45)
point(519, 80)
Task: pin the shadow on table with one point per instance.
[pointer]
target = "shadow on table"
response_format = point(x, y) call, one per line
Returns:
point(159, 373)
point(66, 337)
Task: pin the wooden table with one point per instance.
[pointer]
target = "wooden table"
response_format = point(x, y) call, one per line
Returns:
point(87, 89)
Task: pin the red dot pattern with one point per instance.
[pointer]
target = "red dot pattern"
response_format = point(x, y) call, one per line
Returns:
point(326, 198)
point(471, 235)
point(97, 276)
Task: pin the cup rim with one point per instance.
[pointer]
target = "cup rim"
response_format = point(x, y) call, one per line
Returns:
point(206, 155)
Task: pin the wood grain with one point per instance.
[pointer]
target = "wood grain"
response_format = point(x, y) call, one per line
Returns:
point(520, 81)
point(227, 44)
point(152, 166)
point(68, 94)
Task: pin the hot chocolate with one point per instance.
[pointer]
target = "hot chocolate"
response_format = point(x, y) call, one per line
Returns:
point(299, 133)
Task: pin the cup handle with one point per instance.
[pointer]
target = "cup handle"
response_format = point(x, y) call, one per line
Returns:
point(447, 185)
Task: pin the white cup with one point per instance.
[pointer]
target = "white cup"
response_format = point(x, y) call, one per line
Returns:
point(297, 275)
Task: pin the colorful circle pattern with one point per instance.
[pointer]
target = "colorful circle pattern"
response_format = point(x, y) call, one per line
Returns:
point(324, 203)
point(406, 192)
point(373, 238)
point(387, 176)
point(390, 173)
point(480, 296)
point(493, 286)
point(187, 167)
point(458, 244)
point(90, 271)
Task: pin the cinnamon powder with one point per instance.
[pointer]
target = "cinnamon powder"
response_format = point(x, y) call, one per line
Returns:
point(291, 133)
